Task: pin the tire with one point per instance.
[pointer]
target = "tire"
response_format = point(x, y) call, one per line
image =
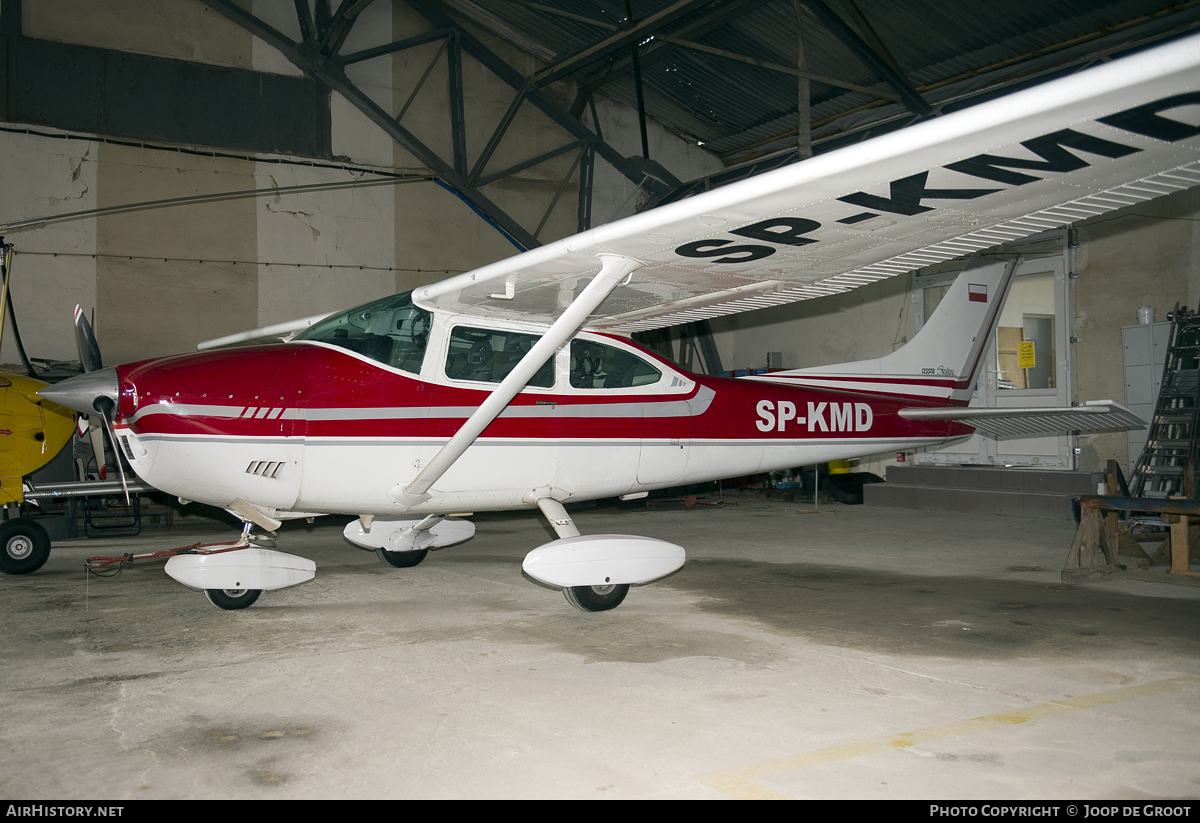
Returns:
point(596, 598)
point(402, 560)
point(24, 546)
point(232, 599)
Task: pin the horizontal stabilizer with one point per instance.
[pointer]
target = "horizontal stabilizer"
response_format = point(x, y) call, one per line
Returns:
point(1092, 416)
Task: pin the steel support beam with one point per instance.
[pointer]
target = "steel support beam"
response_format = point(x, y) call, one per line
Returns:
point(617, 41)
point(498, 134)
point(339, 27)
point(558, 194)
point(424, 76)
point(663, 45)
point(631, 169)
point(803, 95)
point(849, 38)
point(795, 71)
point(317, 55)
point(586, 171)
point(637, 85)
point(399, 45)
point(532, 161)
point(458, 116)
point(326, 69)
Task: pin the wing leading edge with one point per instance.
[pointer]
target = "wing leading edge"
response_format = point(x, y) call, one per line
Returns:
point(1061, 152)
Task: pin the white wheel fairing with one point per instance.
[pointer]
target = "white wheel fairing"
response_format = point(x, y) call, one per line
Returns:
point(603, 560)
point(241, 569)
point(388, 535)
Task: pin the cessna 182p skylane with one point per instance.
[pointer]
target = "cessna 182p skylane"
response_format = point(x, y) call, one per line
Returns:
point(515, 385)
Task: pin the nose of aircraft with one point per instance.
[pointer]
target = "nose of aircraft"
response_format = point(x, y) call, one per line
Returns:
point(85, 393)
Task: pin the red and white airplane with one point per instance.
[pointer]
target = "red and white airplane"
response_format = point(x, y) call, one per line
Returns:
point(516, 385)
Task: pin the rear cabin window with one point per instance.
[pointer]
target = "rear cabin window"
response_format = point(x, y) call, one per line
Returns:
point(391, 331)
point(488, 355)
point(597, 366)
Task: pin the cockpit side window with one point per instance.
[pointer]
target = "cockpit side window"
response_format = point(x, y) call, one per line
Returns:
point(391, 331)
point(597, 366)
point(488, 355)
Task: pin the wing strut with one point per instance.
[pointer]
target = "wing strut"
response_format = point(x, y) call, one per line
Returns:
point(614, 269)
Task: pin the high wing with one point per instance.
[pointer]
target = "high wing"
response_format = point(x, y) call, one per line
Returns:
point(1107, 137)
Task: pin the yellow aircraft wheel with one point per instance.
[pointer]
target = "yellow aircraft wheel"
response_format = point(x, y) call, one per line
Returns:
point(24, 546)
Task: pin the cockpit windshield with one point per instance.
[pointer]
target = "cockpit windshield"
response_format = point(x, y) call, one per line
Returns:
point(391, 331)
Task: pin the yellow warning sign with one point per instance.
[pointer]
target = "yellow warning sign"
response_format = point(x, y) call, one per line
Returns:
point(1026, 359)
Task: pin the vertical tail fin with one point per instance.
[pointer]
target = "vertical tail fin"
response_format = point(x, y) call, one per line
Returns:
point(944, 359)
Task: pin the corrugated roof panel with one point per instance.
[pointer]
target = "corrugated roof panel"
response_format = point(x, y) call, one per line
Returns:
point(741, 111)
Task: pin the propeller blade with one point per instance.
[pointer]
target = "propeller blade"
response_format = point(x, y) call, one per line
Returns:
point(107, 409)
point(96, 435)
point(96, 390)
point(89, 349)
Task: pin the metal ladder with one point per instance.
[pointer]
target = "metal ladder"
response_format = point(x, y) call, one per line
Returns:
point(1171, 446)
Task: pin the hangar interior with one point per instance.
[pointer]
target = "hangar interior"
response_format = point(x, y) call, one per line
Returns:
point(189, 169)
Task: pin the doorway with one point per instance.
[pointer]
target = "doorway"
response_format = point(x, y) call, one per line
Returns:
point(1028, 363)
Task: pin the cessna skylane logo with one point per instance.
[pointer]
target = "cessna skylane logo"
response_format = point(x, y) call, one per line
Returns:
point(826, 417)
point(908, 193)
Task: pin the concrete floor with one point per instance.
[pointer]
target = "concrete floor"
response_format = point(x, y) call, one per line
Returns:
point(868, 653)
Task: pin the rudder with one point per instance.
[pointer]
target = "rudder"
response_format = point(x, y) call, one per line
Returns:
point(944, 359)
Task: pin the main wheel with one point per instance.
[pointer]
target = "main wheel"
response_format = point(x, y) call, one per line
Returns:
point(232, 599)
point(25, 544)
point(596, 598)
point(402, 560)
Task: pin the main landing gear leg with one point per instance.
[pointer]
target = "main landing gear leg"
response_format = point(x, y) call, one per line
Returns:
point(585, 598)
point(408, 548)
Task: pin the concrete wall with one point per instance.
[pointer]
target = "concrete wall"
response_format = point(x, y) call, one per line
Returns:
point(160, 280)
point(172, 28)
point(55, 268)
point(1146, 255)
point(168, 277)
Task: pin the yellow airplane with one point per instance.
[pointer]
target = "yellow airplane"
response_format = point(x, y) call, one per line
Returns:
point(32, 431)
